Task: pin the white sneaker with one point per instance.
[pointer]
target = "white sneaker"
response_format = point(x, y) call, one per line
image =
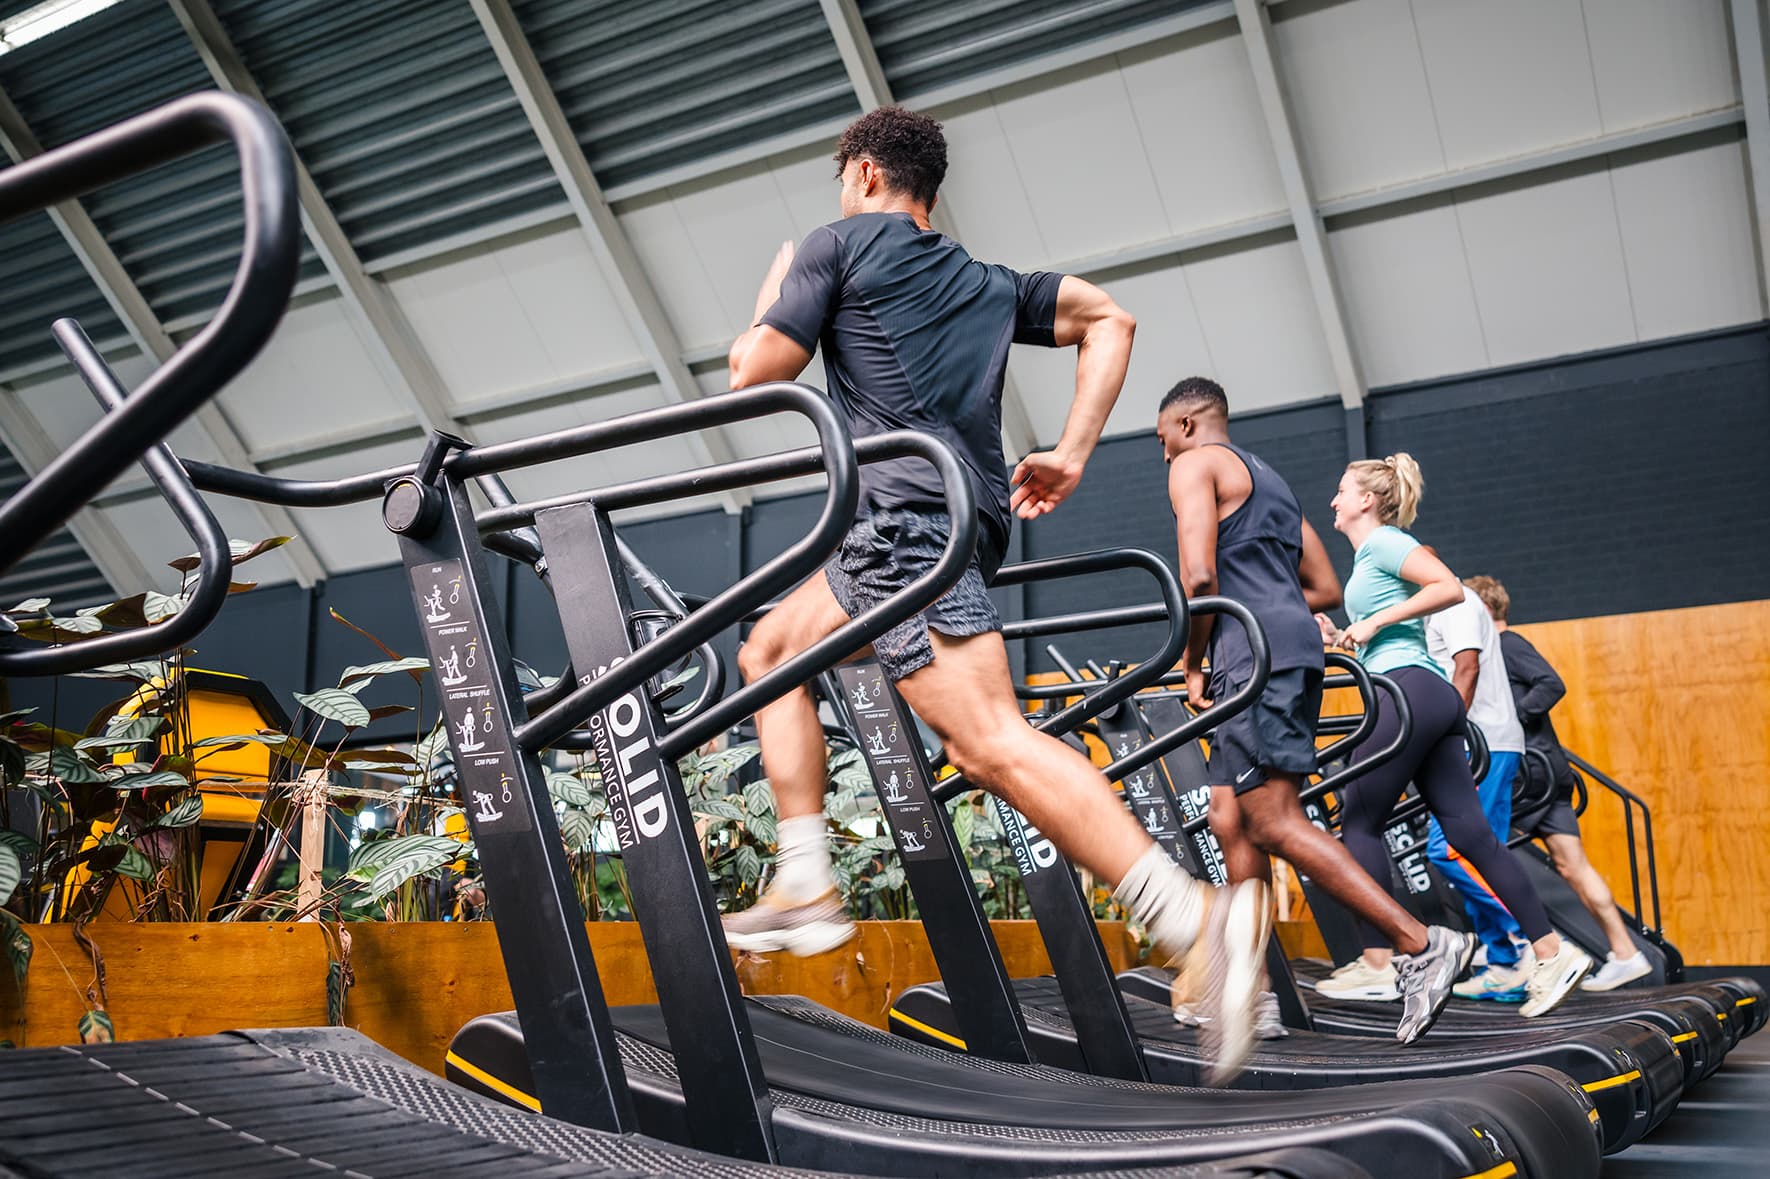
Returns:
point(1553, 979)
point(1358, 980)
point(1617, 971)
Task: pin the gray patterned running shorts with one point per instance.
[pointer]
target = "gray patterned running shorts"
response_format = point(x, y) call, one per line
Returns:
point(883, 553)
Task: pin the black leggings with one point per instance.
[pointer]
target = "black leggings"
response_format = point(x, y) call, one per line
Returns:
point(1435, 760)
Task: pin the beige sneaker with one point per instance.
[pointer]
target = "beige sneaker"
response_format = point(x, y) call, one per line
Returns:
point(1358, 980)
point(1553, 979)
point(800, 928)
point(1226, 960)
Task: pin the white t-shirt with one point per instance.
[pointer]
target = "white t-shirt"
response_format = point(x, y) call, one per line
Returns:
point(1467, 626)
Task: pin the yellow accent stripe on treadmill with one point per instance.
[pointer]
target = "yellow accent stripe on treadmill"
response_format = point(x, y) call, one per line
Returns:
point(493, 1083)
point(1592, 1116)
point(943, 1037)
point(1685, 1037)
point(1612, 1082)
point(1721, 1015)
point(1745, 1002)
point(1499, 1172)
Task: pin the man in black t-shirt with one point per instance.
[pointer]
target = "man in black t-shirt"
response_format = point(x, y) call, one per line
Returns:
point(915, 335)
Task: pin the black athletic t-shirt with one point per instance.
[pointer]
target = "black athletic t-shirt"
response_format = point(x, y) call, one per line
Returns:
point(915, 336)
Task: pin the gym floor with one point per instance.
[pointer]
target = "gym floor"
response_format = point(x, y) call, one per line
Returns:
point(1718, 1129)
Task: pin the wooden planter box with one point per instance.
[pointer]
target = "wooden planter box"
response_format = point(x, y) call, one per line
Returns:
point(417, 983)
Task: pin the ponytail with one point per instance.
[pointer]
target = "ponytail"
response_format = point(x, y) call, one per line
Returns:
point(1397, 483)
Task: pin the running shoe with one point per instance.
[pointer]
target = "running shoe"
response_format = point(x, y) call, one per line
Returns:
point(1268, 1023)
point(1617, 971)
point(1359, 980)
point(1498, 983)
point(800, 928)
point(1426, 979)
point(1553, 979)
point(1228, 958)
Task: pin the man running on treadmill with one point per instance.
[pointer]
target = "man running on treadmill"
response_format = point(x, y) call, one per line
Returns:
point(1463, 641)
point(915, 335)
point(1536, 687)
point(1242, 535)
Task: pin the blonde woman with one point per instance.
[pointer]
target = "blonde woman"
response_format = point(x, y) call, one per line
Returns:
point(1396, 582)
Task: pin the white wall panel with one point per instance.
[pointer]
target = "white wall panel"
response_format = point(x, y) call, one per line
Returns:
point(1202, 132)
point(1408, 296)
point(807, 183)
point(1547, 266)
point(1261, 327)
point(735, 228)
point(1507, 76)
point(1659, 59)
point(988, 198)
point(1170, 344)
point(676, 271)
point(556, 284)
point(1358, 93)
point(1687, 238)
point(315, 378)
point(1078, 152)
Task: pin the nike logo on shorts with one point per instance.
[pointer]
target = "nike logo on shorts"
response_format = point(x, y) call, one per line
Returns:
point(1246, 774)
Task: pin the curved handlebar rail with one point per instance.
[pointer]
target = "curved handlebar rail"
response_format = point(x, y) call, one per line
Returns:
point(1367, 694)
point(1631, 800)
point(1173, 609)
point(1480, 761)
point(1525, 797)
point(1403, 712)
point(835, 456)
point(524, 544)
point(215, 559)
point(269, 257)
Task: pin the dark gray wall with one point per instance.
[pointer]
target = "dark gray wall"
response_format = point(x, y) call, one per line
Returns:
point(1601, 484)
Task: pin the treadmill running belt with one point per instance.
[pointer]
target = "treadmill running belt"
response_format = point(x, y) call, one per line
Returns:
point(834, 1082)
point(300, 1102)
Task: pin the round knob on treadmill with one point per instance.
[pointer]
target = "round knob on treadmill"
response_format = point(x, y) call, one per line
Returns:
point(410, 508)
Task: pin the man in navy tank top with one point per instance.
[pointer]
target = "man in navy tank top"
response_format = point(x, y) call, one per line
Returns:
point(1242, 535)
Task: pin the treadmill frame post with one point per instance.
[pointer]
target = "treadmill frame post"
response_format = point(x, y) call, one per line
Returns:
point(722, 1079)
point(984, 1007)
point(571, 1043)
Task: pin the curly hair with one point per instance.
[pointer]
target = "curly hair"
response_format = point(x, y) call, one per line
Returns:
point(908, 147)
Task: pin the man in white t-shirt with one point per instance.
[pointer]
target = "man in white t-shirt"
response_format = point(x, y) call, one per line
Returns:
point(1465, 643)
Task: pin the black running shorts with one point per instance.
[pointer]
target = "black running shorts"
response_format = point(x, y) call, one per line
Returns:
point(1276, 733)
point(883, 553)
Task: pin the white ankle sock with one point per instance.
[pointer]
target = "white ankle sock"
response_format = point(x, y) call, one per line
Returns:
point(802, 859)
point(1169, 903)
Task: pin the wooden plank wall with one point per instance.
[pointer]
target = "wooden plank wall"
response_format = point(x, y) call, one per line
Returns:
point(417, 983)
point(1675, 705)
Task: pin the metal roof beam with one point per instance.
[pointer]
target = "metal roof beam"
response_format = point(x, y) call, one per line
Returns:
point(871, 87)
point(1748, 45)
point(150, 335)
point(401, 353)
point(1330, 306)
point(620, 262)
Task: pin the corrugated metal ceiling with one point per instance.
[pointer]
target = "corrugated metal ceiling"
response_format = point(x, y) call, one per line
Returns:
point(651, 86)
point(401, 112)
point(926, 44)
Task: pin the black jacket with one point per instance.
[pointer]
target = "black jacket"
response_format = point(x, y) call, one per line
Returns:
point(1535, 690)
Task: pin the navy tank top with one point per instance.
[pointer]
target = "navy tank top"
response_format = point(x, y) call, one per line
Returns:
point(1258, 547)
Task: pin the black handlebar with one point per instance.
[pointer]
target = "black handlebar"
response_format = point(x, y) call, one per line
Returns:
point(1107, 694)
point(215, 560)
point(269, 258)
